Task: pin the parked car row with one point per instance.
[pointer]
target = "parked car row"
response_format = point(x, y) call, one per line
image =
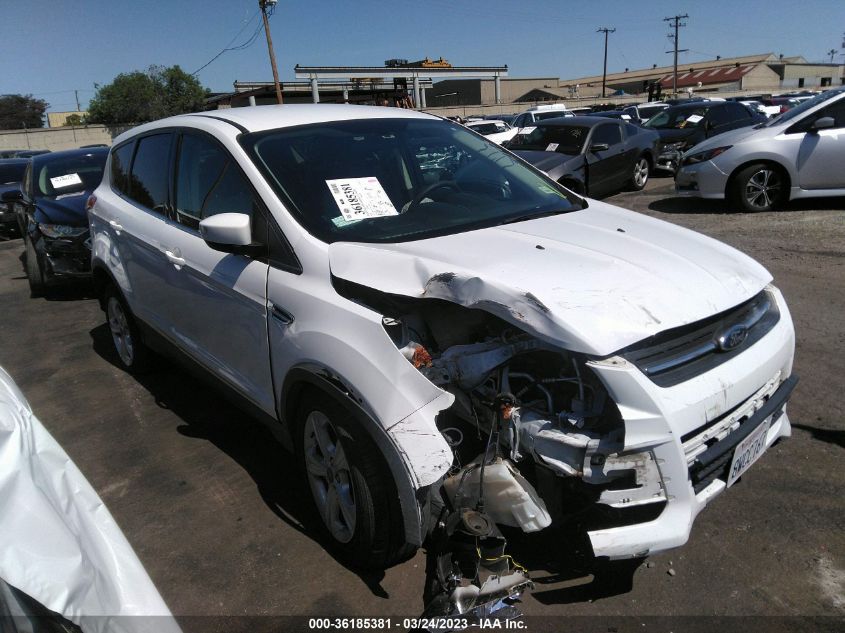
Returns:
point(799, 154)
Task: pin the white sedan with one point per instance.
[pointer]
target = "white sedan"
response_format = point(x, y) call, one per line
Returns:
point(495, 130)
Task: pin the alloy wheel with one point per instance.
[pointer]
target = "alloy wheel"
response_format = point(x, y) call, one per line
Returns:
point(763, 188)
point(641, 173)
point(329, 476)
point(120, 332)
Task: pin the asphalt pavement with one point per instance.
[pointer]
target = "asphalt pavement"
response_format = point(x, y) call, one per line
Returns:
point(216, 514)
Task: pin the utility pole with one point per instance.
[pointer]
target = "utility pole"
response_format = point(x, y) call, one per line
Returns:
point(76, 94)
point(831, 52)
point(263, 4)
point(677, 20)
point(606, 32)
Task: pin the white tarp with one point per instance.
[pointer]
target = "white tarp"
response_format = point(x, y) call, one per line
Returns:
point(58, 542)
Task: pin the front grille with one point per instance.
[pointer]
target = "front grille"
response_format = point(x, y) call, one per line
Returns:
point(679, 354)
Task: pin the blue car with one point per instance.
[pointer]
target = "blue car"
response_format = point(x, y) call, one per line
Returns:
point(51, 204)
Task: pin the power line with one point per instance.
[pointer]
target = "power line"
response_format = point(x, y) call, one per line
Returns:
point(249, 42)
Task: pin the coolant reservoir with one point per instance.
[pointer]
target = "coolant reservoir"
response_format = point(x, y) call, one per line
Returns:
point(508, 497)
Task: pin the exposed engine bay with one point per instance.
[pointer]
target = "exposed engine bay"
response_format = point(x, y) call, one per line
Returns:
point(521, 404)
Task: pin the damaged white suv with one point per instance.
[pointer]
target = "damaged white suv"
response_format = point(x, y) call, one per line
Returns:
point(395, 293)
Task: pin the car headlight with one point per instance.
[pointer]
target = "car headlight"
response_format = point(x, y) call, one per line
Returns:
point(700, 157)
point(61, 230)
point(679, 145)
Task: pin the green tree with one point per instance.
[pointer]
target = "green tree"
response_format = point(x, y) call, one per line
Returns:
point(17, 111)
point(73, 119)
point(138, 97)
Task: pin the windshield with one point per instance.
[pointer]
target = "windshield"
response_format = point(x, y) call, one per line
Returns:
point(646, 112)
point(12, 172)
point(677, 119)
point(565, 139)
point(803, 107)
point(391, 180)
point(71, 174)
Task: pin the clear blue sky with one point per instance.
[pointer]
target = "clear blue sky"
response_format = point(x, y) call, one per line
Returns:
point(52, 47)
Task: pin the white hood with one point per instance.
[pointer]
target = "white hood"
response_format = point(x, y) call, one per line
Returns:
point(591, 281)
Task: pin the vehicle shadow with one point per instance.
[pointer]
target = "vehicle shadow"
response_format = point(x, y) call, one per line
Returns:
point(823, 435)
point(206, 415)
point(699, 206)
point(692, 206)
point(563, 569)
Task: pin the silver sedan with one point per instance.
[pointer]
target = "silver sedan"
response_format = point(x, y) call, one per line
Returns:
point(796, 155)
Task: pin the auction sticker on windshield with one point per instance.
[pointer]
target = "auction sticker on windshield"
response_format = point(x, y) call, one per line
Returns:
point(748, 451)
point(361, 198)
point(66, 181)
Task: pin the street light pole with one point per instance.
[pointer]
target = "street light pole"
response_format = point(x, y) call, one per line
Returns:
point(606, 31)
point(263, 4)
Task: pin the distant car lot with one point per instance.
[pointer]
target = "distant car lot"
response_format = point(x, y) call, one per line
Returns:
point(171, 459)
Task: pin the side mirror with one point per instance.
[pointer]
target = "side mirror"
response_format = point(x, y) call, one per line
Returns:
point(15, 195)
point(824, 123)
point(229, 233)
point(599, 147)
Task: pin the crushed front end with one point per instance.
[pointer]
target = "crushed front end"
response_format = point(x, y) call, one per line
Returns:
point(634, 444)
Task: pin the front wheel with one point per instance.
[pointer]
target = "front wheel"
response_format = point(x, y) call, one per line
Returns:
point(34, 273)
point(350, 486)
point(759, 187)
point(642, 169)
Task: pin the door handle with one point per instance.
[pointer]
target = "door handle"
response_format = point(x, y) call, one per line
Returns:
point(174, 258)
point(116, 226)
point(280, 315)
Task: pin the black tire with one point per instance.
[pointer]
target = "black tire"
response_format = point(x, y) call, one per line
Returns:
point(132, 354)
point(34, 273)
point(641, 173)
point(759, 187)
point(376, 538)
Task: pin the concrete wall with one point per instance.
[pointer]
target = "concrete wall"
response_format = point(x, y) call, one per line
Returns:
point(59, 138)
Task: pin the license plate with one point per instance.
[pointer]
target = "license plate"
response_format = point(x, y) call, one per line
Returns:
point(748, 451)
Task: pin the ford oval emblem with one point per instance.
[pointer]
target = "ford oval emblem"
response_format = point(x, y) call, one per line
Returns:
point(732, 338)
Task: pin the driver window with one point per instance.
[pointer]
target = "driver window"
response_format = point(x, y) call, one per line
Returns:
point(835, 111)
point(209, 182)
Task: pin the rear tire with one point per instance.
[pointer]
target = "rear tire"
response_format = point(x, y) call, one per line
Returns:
point(350, 486)
point(759, 187)
point(34, 273)
point(131, 352)
point(642, 170)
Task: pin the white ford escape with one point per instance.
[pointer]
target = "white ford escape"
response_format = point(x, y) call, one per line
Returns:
point(386, 287)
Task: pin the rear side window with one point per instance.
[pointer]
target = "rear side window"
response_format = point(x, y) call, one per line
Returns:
point(149, 178)
point(120, 159)
point(607, 133)
point(209, 182)
point(720, 115)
